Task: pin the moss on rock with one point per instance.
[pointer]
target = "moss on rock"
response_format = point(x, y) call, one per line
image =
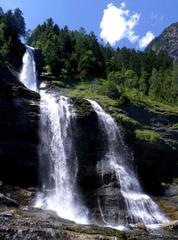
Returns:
point(169, 208)
point(123, 118)
point(147, 135)
point(175, 125)
point(21, 91)
point(82, 107)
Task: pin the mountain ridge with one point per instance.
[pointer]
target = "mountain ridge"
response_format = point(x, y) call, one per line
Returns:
point(166, 41)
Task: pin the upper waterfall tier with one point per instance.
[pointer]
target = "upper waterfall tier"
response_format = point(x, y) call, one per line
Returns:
point(28, 73)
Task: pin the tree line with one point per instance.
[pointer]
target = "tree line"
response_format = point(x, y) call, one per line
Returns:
point(79, 56)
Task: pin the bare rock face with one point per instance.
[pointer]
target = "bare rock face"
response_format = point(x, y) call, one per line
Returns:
point(167, 41)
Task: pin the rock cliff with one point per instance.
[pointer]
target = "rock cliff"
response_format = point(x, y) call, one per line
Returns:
point(166, 41)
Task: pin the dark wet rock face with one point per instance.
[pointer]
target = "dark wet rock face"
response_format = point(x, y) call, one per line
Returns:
point(19, 111)
point(89, 144)
point(18, 142)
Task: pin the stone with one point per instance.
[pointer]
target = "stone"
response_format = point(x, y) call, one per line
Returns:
point(4, 200)
point(9, 213)
point(171, 225)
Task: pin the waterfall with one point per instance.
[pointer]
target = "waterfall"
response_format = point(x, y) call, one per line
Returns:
point(28, 73)
point(139, 206)
point(57, 158)
point(58, 161)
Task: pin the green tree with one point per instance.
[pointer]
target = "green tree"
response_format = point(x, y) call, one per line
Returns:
point(154, 84)
point(144, 82)
point(117, 77)
point(174, 85)
point(86, 64)
point(19, 22)
point(131, 79)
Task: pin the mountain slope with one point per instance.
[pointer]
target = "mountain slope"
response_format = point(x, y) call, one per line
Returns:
point(166, 41)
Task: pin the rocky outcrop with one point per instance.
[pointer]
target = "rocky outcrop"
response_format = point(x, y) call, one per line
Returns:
point(30, 223)
point(36, 224)
point(43, 225)
point(167, 41)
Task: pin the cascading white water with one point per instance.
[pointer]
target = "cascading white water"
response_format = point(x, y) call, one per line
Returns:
point(58, 162)
point(28, 73)
point(140, 207)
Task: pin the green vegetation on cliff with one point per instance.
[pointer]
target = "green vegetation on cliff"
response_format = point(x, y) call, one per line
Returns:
point(148, 135)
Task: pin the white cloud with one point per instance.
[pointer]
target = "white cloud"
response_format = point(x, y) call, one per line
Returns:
point(123, 4)
point(118, 23)
point(144, 41)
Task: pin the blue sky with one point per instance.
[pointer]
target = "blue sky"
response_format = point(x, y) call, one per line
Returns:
point(129, 22)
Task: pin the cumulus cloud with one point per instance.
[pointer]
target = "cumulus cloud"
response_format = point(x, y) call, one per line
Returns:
point(144, 41)
point(118, 23)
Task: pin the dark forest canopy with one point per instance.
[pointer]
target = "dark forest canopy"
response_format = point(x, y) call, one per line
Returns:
point(77, 55)
point(81, 55)
point(12, 28)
